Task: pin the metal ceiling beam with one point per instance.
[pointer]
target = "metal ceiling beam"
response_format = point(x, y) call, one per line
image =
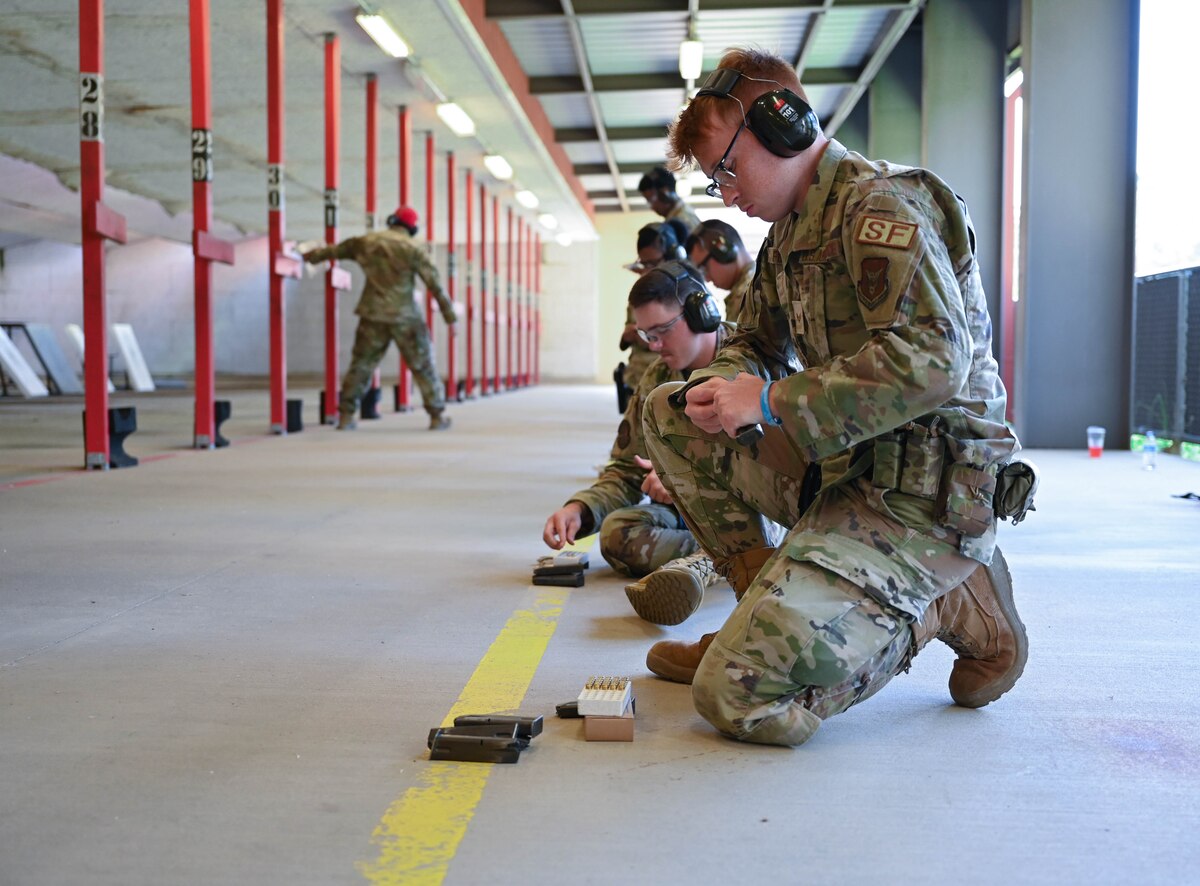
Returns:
point(615, 134)
point(900, 24)
point(551, 9)
point(585, 72)
point(639, 82)
point(622, 169)
point(810, 37)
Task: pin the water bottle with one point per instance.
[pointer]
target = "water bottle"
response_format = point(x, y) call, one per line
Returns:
point(1149, 451)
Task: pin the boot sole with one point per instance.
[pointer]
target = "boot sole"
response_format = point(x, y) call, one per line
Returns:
point(1001, 579)
point(668, 670)
point(667, 598)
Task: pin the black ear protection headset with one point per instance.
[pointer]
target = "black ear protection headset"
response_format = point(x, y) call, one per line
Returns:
point(699, 307)
point(668, 241)
point(718, 246)
point(780, 119)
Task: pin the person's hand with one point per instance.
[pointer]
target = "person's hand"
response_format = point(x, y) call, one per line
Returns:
point(452, 326)
point(653, 486)
point(562, 526)
point(717, 404)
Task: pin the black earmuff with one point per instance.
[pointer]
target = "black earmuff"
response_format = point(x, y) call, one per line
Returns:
point(699, 307)
point(393, 221)
point(719, 247)
point(780, 119)
point(669, 242)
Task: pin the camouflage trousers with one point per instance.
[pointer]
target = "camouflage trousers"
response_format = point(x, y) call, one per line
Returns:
point(636, 540)
point(371, 341)
point(827, 622)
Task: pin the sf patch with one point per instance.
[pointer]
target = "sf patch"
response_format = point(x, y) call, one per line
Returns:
point(873, 284)
point(875, 231)
point(623, 434)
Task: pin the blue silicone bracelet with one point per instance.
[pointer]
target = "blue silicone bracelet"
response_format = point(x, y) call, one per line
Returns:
point(764, 404)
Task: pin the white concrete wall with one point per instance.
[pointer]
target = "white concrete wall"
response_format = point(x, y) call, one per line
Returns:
point(570, 306)
point(149, 285)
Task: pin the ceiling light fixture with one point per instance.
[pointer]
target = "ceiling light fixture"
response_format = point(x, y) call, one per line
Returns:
point(548, 221)
point(456, 118)
point(383, 34)
point(498, 167)
point(564, 239)
point(691, 54)
point(528, 199)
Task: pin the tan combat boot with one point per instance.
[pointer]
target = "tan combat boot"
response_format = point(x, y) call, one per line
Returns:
point(676, 660)
point(347, 422)
point(979, 621)
point(741, 569)
point(675, 590)
point(439, 421)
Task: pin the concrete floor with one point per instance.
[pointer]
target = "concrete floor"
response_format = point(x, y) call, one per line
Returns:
point(220, 667)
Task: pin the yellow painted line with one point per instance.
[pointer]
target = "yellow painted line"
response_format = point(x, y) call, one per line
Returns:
point(419, 833)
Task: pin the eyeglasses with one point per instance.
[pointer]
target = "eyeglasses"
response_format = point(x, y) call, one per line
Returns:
point(638, 266)
point(721, 176)
point(655, 333)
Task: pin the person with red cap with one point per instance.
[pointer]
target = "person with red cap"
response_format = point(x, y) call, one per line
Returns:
point(387, 312)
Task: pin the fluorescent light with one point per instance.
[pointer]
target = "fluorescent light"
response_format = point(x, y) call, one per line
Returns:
point(691, 59)
point(456, 118)
point(498, 167)
point(683, 187)
point(564, 239)
point(528, 199)
point(548, 221)
point(383, 34)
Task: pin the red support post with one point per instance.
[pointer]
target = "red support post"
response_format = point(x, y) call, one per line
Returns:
point(451, 284)
point(372, 144)
point(404, 383)
point(333, 104)
point(508, 305)
point(279, 265)
point(98, 223)
point(496, 291)
point(469, 199)
point(430, 188)
point(205, 247)
point(528, 377)
point(537, 313)
point(520, 295)
point(372, 150)
point(483, 292)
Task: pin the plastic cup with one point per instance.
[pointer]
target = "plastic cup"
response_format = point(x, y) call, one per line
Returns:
point(1095, 438)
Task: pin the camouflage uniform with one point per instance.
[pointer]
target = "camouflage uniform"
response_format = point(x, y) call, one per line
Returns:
point(735, 301)
point(391, 261)
point(874, 288)
point(635, 537)
point(685, 214)
point(640, 356)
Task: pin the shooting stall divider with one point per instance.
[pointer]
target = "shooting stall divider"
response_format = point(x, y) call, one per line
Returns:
point(281, 265)
point(468, 205)
point(205, 247)
point(99, 223)
point(451, 281)
point(404, 384)
point(335, 278)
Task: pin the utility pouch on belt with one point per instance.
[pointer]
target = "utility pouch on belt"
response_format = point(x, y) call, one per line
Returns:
point(965, 499)
point(1016, 484)
point(910, 460)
